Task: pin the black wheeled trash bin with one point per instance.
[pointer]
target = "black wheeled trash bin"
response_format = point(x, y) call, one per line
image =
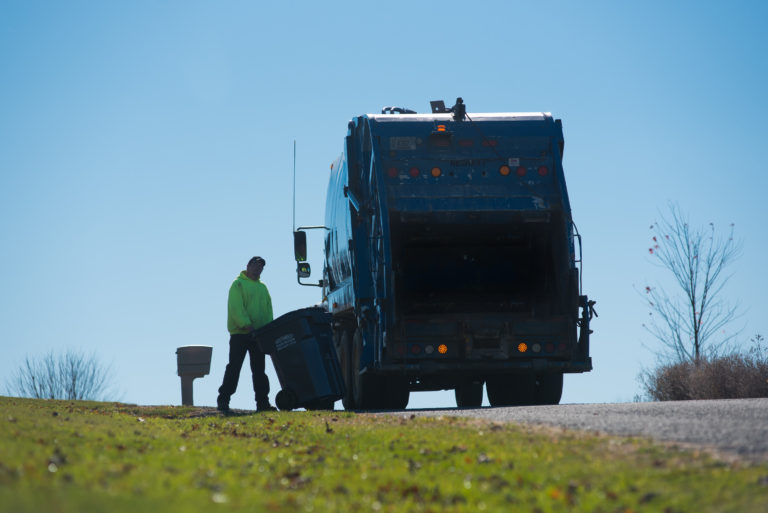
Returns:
point(301, 346)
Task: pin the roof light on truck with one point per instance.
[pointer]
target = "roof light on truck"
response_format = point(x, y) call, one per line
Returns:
point(504, 170)
point(436, 171)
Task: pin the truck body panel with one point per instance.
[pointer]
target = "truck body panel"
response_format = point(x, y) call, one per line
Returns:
point(451, 257)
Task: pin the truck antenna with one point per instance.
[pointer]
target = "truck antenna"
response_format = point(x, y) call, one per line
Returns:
point(294, 185)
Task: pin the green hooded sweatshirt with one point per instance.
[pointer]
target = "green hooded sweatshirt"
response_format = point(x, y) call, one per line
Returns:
point(249, 305)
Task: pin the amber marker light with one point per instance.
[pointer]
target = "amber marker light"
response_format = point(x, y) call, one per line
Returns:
point(522, 347)
point(436, 172)
point(504, 170)
point(442, 349)
point(441, 128)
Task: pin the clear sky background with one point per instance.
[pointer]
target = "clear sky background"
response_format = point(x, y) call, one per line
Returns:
point(146, 152)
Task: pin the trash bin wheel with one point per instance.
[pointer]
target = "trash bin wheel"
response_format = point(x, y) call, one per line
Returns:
point(286, 400)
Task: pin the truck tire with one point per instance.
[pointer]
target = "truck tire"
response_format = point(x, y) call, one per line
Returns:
point(368, 390)
point(516, 390)
point(344, 350)
point(469, 394)
point(398, 393)
point(549, 388)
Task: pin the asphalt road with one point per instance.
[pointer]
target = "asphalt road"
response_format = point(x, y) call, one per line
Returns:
point(735, 427)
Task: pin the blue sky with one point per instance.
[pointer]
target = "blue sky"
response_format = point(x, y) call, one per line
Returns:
point(146, 153)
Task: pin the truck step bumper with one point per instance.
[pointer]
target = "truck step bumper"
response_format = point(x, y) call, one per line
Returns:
point(426, 368)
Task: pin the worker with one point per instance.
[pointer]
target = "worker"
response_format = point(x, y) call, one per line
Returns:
point(249, 308)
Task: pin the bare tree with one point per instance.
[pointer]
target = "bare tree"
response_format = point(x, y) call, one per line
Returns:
point(67, 375)
point(690, 321)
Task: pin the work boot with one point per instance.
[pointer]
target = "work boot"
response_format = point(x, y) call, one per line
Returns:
point(222, 406)
point(265, 407)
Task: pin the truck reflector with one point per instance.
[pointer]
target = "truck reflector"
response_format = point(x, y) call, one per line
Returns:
point(441, 128)
point(442, 349)
point(543, 170)
point(414, 172)
point(436, 171)
point(504, 170)
point(521, 171)
point(522, 347)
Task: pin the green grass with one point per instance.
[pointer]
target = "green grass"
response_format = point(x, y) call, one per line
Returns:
point(64, 456)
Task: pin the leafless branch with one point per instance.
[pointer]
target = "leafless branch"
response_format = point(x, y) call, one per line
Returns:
point(691, 322)
point(67, 375)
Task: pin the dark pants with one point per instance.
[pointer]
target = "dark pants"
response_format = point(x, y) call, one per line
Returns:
point(238, 346)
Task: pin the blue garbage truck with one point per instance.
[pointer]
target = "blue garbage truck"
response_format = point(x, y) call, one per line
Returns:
point(451, 259)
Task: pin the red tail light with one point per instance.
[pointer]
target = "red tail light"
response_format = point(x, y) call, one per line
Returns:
point(521, 171)
point(414, 172)
point(392, 172)
point(543, 171)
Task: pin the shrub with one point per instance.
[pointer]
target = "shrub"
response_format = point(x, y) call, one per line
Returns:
point(731, 376)
point(65, 375)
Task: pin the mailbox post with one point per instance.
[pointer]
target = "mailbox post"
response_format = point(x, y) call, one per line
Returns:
point(192, 362)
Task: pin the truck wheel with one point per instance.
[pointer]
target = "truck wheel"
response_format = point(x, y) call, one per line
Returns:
point(398, 393)
point(343, 348)
point(549, 388)
point(469, 394)
point(366, 388)
point(518, 390)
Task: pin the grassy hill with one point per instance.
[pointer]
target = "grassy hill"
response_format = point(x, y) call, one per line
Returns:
point(65, 456)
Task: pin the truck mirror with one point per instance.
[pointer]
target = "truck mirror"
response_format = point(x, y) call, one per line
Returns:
point(300, 246)
point(303, 270)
